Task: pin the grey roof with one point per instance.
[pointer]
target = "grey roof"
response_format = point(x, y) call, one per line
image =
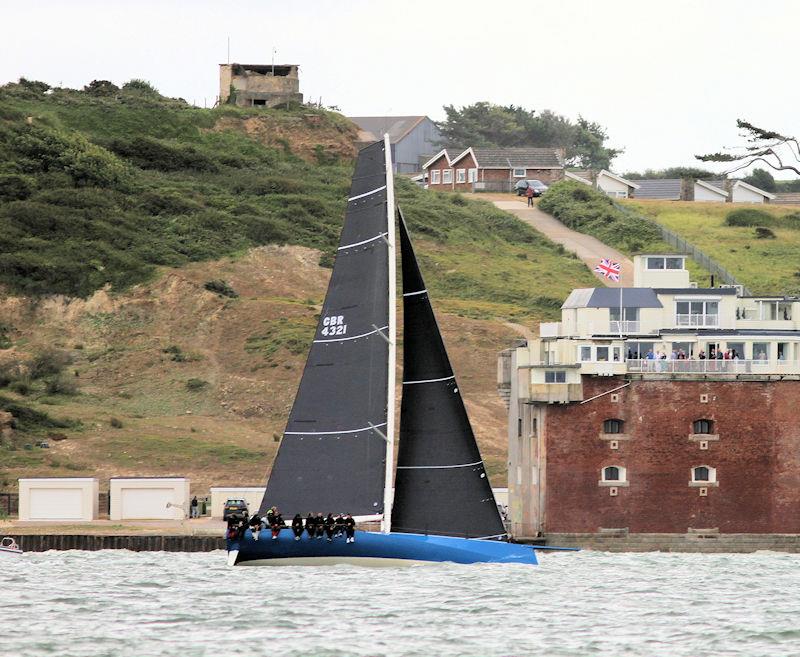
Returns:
point(705, 291)
point(719, 184)
point(507, 158)
point(667, 189)
point(397, 126)
point(609, 297)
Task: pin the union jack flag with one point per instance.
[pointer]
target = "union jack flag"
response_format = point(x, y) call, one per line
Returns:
point(609, 269)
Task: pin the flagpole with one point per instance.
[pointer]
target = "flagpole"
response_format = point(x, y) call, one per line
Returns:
point(620, 306)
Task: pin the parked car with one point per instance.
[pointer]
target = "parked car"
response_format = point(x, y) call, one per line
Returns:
point(235, 508)
point(521, 187)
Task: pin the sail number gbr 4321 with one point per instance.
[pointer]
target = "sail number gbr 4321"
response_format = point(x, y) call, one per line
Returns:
point(334, 325)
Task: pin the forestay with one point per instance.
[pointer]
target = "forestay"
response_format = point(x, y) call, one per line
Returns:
point(441, 485)
point(333, 453)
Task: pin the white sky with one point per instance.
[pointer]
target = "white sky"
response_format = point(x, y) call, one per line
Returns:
point(666, 79)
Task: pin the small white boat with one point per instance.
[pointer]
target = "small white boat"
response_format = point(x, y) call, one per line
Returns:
point(9, 547)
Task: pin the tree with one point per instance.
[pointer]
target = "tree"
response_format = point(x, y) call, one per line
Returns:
point(484, 124)
point(762, 179)
point(778, 151)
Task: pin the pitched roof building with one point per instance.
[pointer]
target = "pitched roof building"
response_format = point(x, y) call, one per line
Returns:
point(493, 169)
point(413, 139)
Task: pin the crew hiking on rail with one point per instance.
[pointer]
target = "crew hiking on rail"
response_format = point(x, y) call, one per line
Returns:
point(315, 526)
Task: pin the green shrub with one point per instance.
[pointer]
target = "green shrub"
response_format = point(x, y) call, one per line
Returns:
point(49, 362)
point(194, 385)
point(116, 423)
point(222, 288)
point(151, 153)
point(16, 187)
point(61, 385)
point(763, 233)
point(587, 210)
point(101, 88)
point(141, 86)
point(749, 217)
point(21, 386)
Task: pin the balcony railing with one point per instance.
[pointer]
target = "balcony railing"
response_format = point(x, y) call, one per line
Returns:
point(696, 320)
point(711, 366)
point(624, 327)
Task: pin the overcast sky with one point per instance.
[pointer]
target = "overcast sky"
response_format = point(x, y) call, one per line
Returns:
point(666, 79)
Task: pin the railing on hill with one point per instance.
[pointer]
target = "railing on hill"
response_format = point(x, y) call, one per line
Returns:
point(701, 258)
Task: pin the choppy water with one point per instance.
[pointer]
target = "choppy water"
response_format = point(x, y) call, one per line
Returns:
point(117, 603)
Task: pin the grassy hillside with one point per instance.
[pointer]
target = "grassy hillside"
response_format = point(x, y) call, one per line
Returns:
point(189, 248)
point(767, 262)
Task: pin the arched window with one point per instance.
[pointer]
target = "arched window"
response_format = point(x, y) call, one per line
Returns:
point(614, 473)
point(613, 426)
point(703, 426)
point(704, 474)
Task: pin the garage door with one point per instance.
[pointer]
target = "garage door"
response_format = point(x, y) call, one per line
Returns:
point(56, 503)
point(147, 503)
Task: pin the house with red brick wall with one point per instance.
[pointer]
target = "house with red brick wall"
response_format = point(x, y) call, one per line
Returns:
point(663, 408)
point(492, 169)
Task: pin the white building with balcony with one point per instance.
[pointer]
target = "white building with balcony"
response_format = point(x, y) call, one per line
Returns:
point(666, 325)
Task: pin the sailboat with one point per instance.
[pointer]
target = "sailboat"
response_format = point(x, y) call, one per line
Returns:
point(337, 451)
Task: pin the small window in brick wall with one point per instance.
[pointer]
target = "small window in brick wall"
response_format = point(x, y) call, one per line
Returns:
point(703, 426)
point(704, 474)
point(613, 473)
point(613, 426)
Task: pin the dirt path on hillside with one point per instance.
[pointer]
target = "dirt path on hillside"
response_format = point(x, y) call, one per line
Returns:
point(587, 248)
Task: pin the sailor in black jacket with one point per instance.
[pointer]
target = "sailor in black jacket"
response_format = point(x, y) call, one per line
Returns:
point(350, 528)
point(311, 525)
point(320, 525)
point(330, 526)
point(297, 526)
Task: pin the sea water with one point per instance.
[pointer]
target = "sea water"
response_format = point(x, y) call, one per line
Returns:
point(119, 603)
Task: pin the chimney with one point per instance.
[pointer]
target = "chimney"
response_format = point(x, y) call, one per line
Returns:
point(687, 189)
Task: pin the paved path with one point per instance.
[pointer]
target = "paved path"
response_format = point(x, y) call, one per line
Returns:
point(587, 248)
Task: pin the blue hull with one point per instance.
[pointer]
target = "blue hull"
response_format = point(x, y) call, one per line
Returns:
point(374, 549)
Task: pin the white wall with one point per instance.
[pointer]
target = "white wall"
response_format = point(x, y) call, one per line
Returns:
point(59, 498)
point(612, 187)
point(740, 194)
point(704, 195)
point(219, 496)
point(141, 498)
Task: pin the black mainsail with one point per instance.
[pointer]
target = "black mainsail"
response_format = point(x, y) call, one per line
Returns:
point(334, 456)
point(441, 485)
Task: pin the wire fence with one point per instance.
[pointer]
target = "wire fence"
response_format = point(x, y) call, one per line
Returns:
point(701, 258)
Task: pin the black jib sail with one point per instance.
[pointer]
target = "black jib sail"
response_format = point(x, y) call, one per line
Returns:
point(333, 454)
point(441, 485)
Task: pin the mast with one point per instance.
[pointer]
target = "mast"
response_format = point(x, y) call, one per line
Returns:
point(386, 521)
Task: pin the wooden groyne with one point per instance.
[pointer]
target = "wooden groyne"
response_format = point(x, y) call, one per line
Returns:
point(135, 543)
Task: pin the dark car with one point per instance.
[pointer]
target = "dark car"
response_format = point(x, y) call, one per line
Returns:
point(235, 509)
point(538, 186)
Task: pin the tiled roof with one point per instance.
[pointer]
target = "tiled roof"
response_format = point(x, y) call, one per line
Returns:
point(507, 158)
point(667, 189)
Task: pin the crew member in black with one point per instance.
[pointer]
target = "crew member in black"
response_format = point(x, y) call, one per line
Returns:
point(277, 523)
point(330, 526)
point(297, 526)
point(271, 515)
point(311, 525)
point(320, 525)
point(255, 525)
point(339, 525)
point(350, 528)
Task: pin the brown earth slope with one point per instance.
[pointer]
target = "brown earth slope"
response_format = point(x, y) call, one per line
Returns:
point(202, 384)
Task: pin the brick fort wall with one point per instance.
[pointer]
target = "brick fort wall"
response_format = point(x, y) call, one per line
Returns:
point(757, 458)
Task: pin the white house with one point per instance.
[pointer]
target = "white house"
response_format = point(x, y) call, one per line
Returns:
point(705, 192)
point(607, 182)
point(742, 192)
